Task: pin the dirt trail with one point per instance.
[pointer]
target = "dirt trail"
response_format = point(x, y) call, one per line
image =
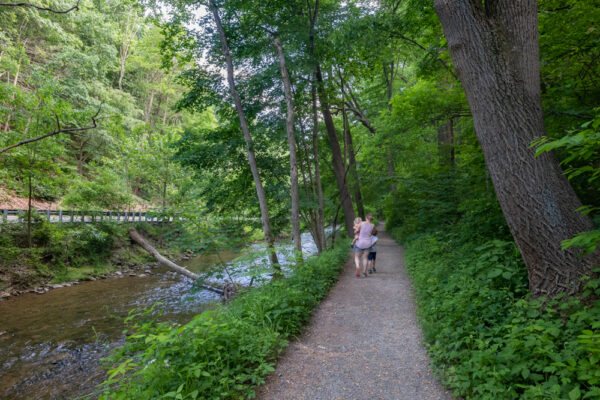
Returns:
point(363, 342)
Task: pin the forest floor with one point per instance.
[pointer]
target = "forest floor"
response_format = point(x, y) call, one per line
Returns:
point(363, 341)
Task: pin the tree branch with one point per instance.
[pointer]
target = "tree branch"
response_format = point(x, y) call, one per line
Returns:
point(360, 116)
point(55, 132)
point(419, 45)
point(75, 7)
point(352, 104)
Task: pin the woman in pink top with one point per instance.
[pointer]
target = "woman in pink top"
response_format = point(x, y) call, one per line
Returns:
point(361, 248)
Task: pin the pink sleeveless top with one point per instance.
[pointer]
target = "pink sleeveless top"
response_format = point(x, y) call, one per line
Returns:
point(364, 237)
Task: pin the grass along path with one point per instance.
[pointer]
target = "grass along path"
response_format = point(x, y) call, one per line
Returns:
point(363, 341)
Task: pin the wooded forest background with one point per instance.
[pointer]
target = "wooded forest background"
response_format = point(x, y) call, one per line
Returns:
point(137, 111)
point(447, 119)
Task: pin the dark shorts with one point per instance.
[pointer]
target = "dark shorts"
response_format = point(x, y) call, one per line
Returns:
point(372, 256)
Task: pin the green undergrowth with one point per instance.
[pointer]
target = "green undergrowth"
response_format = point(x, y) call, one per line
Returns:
point(223, 353)
point(74, 251)
point(486, 337)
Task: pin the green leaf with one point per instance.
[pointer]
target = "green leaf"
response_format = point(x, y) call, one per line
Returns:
point(494, 273)
point(575, 394)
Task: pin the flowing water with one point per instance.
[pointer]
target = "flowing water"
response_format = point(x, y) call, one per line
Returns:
point(51, 344)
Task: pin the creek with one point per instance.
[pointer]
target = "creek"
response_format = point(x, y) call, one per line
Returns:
point(51, 344)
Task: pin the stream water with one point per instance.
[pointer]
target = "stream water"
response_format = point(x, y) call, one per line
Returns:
point(51, 344)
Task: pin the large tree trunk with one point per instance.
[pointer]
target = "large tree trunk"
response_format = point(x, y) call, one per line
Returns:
point(289, 125)
point(260, 191)
point(495, 50)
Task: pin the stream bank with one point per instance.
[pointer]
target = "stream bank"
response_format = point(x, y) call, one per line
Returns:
point(51, 345)
point(68, 254)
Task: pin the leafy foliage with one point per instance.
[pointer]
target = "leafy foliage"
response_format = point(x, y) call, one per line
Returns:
point(55, 71)
point(583, 149)
point(226, 352)
point(486, 338)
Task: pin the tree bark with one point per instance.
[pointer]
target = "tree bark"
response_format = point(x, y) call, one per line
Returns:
point(128, 37)
point(445, 136)
point(336, 154)
point(494, 47)
point(338, 167)
point(12, 97)
point(315, 150)
point(124, 54)
point(313, 212)
point(260, 192)
point(353, 170)
point(291, 137)
point(29, 195)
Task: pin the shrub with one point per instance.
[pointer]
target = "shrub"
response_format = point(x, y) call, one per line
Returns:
point(487, 339)
point(226, 352)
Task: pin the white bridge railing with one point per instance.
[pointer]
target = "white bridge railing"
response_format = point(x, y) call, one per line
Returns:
point(20, 216)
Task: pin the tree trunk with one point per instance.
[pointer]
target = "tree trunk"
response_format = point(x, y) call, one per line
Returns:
point(128, 37)
point(260, 192)
point(495, 50)
point(352, 165)
point(336, 154)
point(29, 243)
point(12, 98)
point(156, 112)
point(149, 109)
point(445, 136)
point(315, 149)
point(390, 156)
point(310, 191)
point(289, 126)
point(164, 120)
point(124, 51)
point(338, 167)
point(80, 160)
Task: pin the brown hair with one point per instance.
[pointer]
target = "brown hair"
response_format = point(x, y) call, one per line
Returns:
point(370, 217)
point(374, 231)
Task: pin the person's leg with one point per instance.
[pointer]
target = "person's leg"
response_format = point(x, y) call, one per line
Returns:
point(364, 257)
point(357, 262)
point(373, 262)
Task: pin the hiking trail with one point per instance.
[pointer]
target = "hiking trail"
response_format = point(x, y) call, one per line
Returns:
point(363, 341)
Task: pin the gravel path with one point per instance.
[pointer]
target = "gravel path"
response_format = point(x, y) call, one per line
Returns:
point(363, 342)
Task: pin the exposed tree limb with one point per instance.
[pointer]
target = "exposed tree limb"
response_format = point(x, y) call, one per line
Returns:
point(58, 130)
point(135, 235)
point(75, 7)
point(360, 116)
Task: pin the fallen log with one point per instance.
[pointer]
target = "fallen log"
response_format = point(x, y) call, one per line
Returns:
point(139, 239)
